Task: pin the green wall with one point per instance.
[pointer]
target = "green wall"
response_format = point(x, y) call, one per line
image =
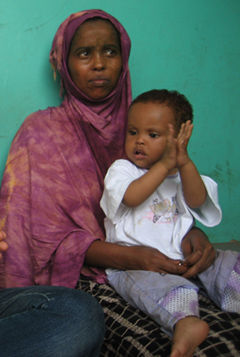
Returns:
point(189, 45)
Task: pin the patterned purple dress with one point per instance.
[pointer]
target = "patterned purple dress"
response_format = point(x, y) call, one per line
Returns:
point(53, 179)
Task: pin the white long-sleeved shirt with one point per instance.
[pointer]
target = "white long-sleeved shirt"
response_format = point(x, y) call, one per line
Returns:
point(162, 220)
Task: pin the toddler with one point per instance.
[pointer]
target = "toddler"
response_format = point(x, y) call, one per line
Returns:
point(152, 198)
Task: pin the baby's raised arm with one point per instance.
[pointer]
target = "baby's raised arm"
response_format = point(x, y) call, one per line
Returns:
point(193, 187)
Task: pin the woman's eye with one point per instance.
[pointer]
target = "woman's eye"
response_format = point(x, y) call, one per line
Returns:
point(83, 54)
point(112, 52)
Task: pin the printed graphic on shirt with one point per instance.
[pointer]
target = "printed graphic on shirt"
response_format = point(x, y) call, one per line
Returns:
point(164, 211)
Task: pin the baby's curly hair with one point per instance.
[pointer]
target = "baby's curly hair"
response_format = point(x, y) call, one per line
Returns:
point(181, 107)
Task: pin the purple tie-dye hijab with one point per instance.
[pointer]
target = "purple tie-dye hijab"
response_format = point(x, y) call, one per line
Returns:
point(53, 178)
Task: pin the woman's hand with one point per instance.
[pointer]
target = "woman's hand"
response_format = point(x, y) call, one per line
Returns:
point(3, 244)
point(198, 252)
point(110, 255)
point(151, 259)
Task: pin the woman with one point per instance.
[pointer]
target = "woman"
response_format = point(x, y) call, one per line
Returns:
point(53, 179)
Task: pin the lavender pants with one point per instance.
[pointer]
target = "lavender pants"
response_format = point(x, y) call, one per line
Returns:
point(168, 298)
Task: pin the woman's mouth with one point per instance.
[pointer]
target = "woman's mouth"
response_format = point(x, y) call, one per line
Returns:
point(99, 82)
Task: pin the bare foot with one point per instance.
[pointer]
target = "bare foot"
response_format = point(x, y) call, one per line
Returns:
point(188, 334)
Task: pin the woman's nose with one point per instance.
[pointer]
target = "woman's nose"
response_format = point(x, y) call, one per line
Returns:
point(98, 62)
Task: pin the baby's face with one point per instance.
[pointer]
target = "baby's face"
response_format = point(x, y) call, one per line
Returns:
point(146, 137)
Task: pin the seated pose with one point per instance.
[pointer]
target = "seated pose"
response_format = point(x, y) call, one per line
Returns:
point(53, 180)
point(152, 199)
point(53, 183)
point(49, 321)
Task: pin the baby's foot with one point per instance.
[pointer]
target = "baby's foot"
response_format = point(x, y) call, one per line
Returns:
point(188, 334)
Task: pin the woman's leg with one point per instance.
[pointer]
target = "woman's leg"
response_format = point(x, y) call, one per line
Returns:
point(49, 321)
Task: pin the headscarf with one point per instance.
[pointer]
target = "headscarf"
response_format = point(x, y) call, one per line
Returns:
point(106, 114)
point(53, 179)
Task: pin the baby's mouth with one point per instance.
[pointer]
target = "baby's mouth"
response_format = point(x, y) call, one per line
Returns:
point(139, 153)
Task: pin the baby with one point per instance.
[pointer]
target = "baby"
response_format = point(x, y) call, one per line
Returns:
point(152, 199)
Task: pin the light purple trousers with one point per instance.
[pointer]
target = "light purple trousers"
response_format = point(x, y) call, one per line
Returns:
point(167, 298)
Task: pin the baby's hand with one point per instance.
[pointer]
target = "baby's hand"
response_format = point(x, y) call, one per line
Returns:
point(182, 143)
point(169, 158)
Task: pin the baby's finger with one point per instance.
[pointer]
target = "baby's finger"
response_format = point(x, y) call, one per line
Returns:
point(170, 135)
point(170, 130)
point(182, 129)
point(188, 129)
point(186, 134)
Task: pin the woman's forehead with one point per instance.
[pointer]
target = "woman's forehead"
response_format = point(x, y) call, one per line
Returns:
point(95, 30)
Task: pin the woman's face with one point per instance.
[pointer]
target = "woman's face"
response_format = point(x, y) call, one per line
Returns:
point(94, 59)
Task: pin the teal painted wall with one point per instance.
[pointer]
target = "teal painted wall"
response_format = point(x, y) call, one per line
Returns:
point(189, 45)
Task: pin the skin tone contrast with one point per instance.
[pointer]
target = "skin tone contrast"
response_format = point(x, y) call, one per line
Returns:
point(95, 60)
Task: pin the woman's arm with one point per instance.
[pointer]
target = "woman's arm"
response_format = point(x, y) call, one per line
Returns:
point(199, 255)
point(110, 255)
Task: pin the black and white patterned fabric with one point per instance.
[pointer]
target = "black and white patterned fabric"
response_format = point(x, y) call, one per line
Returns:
point(129, 332)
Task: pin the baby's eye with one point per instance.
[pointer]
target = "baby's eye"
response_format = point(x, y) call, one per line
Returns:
point(153, 135)
point(132, 132)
